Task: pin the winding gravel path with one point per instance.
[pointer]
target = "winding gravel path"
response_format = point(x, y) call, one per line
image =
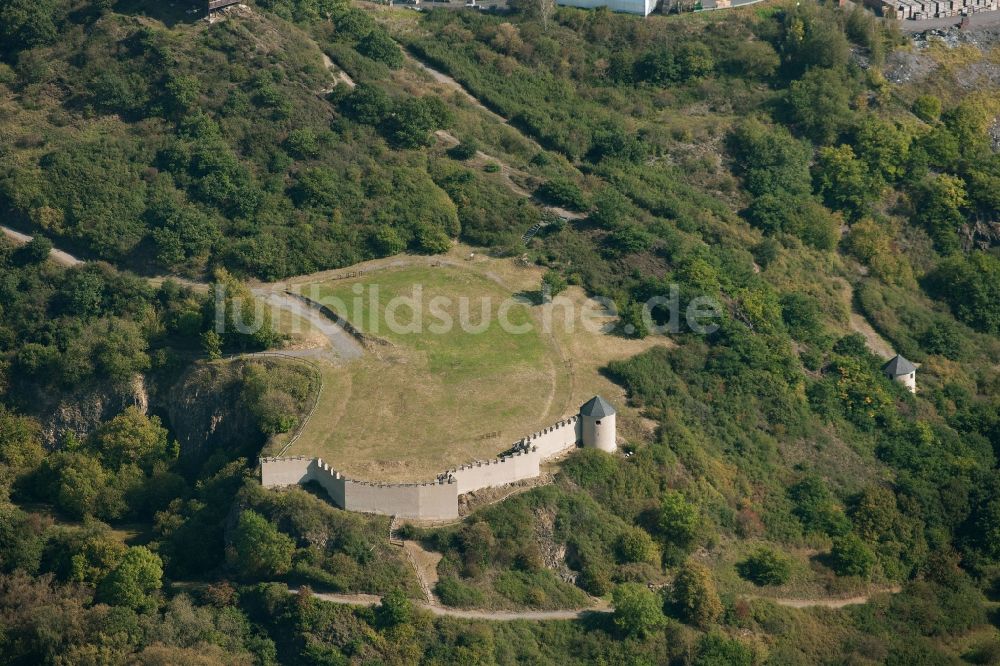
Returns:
point(443, 611)
point(343, 346)
point(859, 324)
point(446, 80)
point(572, 614)
point(58, 256)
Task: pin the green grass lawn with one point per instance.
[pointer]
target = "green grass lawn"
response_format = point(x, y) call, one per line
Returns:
point(455, 352)
point(427, 402)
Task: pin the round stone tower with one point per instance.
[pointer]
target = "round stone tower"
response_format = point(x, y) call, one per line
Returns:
point(597, 421)
point(900, 370)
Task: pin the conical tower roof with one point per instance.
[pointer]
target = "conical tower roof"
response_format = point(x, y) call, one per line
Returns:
point(597, 407)
point(898, 366)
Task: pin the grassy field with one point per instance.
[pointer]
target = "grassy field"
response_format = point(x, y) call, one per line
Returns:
point(428, 401)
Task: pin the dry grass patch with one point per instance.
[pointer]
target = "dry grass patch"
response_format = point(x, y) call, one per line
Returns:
point(427, 402)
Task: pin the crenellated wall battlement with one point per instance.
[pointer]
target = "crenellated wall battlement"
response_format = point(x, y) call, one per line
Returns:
point(436, 499)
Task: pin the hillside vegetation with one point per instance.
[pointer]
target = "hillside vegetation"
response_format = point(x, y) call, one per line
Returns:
point(758, 156)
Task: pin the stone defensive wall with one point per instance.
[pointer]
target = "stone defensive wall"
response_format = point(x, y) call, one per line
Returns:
point(437, 500)
point(432, 500)
point(557, 438)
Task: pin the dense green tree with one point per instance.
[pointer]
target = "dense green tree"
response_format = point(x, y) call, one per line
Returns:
point(638, 611)
point(844, 181)
point(756, 59)
point(873, 243)
point(941, 148)
point(611, 208)
point(244, 323)
point(25, 24)
point(387, 241)
point(820, 104)
point(79, 486)
point(121, 351)
point(679, 520)
point(801, 314)
point(367, 104)
point(378, 45)
point(695, 595)
point(553, 283)
point(770, 159)
point(927, 108)
point(805, 218)
point(850, 556)
point(133, 582)
point(303, 142)
point(465, 150)
point(563, 193)
point(21, 542)
point(614, 142)
point(411, 122)
point(99, 553)
point(635, 545)
point(36, 250)
point(944, 338)
point(971, 287)
point(181, 93)
point(132, 438)
point(811, 39)
point(883, 146)
point(875, 513)
point(658, 67)
point(20, 441)
point(211, 343)
point(983, 185)
point(432, 240)
point(968, 122)
point(630, 239)
point(816, 508)
point(182, 231)
point(939, 202)
point(394, 609)
point(695, 60)
point(717, 650)
point(258, 549)
point(120, 92)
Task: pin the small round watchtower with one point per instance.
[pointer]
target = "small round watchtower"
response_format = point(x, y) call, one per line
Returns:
point(901, 370)
point(597, 420)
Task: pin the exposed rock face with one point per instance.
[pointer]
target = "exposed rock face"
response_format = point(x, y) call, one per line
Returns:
point(83, 409)
point(205, 410)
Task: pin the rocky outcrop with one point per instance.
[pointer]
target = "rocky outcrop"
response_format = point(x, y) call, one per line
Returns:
point(81, 410)
point(205, 410)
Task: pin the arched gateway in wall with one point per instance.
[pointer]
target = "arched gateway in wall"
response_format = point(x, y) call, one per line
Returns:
point(593, 427)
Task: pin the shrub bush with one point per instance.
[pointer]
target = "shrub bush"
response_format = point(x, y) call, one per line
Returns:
point(765, 567)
